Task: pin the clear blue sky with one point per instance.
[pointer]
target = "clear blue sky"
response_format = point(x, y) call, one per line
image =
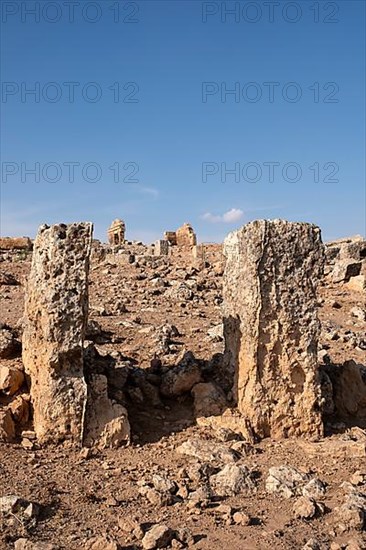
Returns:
point(171, 49)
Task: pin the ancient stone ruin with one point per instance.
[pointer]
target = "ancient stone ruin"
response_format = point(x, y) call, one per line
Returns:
point(116, 233)
point(270, 331)
point(152, 352)
point(171, 237)
point(186, 236)
point(271, 327)
point(65, 406)
point(183, 237)
point(161, 247)
point(15, 243)
point(346, 261)
point(55, 320)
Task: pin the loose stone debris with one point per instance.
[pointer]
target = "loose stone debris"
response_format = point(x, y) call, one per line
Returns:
point(196, 403)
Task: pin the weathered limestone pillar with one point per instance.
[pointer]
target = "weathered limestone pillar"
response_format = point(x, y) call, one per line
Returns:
point(271, 327)
point(56, 311)
point(161, 248)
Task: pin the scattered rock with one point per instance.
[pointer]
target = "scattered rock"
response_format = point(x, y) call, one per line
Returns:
point(9, 347)
point(107, 424)
point(240, 518)
point(314, 489)
point(25, 544)
point(180, 379)
point(7, 426)
point(8, 279)
point(232, 480)
point(12, 504)
point(207, 451)
point(359, 313)
point(216, 333)
point(159, 536)
point(163, 484)
point(209, 399)
point(312, 544)
point(305, 507)
point(285, 481)
point(11, 379)
point(19, 408)
point(352, 514)
point(101, 543)
point(358, 478)
point(184, 536)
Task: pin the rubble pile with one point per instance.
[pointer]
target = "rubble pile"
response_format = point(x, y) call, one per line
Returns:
point(183, 395)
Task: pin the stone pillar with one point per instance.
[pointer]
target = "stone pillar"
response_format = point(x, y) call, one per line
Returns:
point(161, 248)
point(186, 236)
point(56, 309)
point(271, 326)
point(171, 236)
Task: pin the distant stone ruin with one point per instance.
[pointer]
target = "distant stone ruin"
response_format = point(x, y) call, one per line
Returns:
point(161, 248)
point(116, 233)
point(171, 237)
point(346, 261)
point(271, 327)
point(15, 243)
point(183, 237)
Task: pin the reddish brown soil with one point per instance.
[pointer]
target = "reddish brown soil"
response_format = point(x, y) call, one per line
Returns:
point(81, 498)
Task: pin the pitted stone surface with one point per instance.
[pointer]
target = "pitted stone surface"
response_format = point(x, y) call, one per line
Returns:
point(271, 326)
point(56, 311)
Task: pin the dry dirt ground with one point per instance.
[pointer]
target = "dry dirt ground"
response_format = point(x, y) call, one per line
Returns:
point(82, 496)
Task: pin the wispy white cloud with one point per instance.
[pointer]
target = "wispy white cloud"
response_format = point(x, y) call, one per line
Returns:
point(147, 191)
point(231, 216)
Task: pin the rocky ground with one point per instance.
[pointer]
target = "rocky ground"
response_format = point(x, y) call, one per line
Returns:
point(181, 483)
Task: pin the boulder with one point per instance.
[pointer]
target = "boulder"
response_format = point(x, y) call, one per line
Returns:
point(7, 426)
point(180, 379)
point(345, 269)
point(209, 399)
point(207, 451)
point(285, 481)
point(159, 536)
point(11, 379)
point(232, 480)
point(9, 346)
point(106, 422)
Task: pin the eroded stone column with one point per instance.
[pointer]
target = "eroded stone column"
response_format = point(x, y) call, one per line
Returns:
point(271, 326)
point(56, 309)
